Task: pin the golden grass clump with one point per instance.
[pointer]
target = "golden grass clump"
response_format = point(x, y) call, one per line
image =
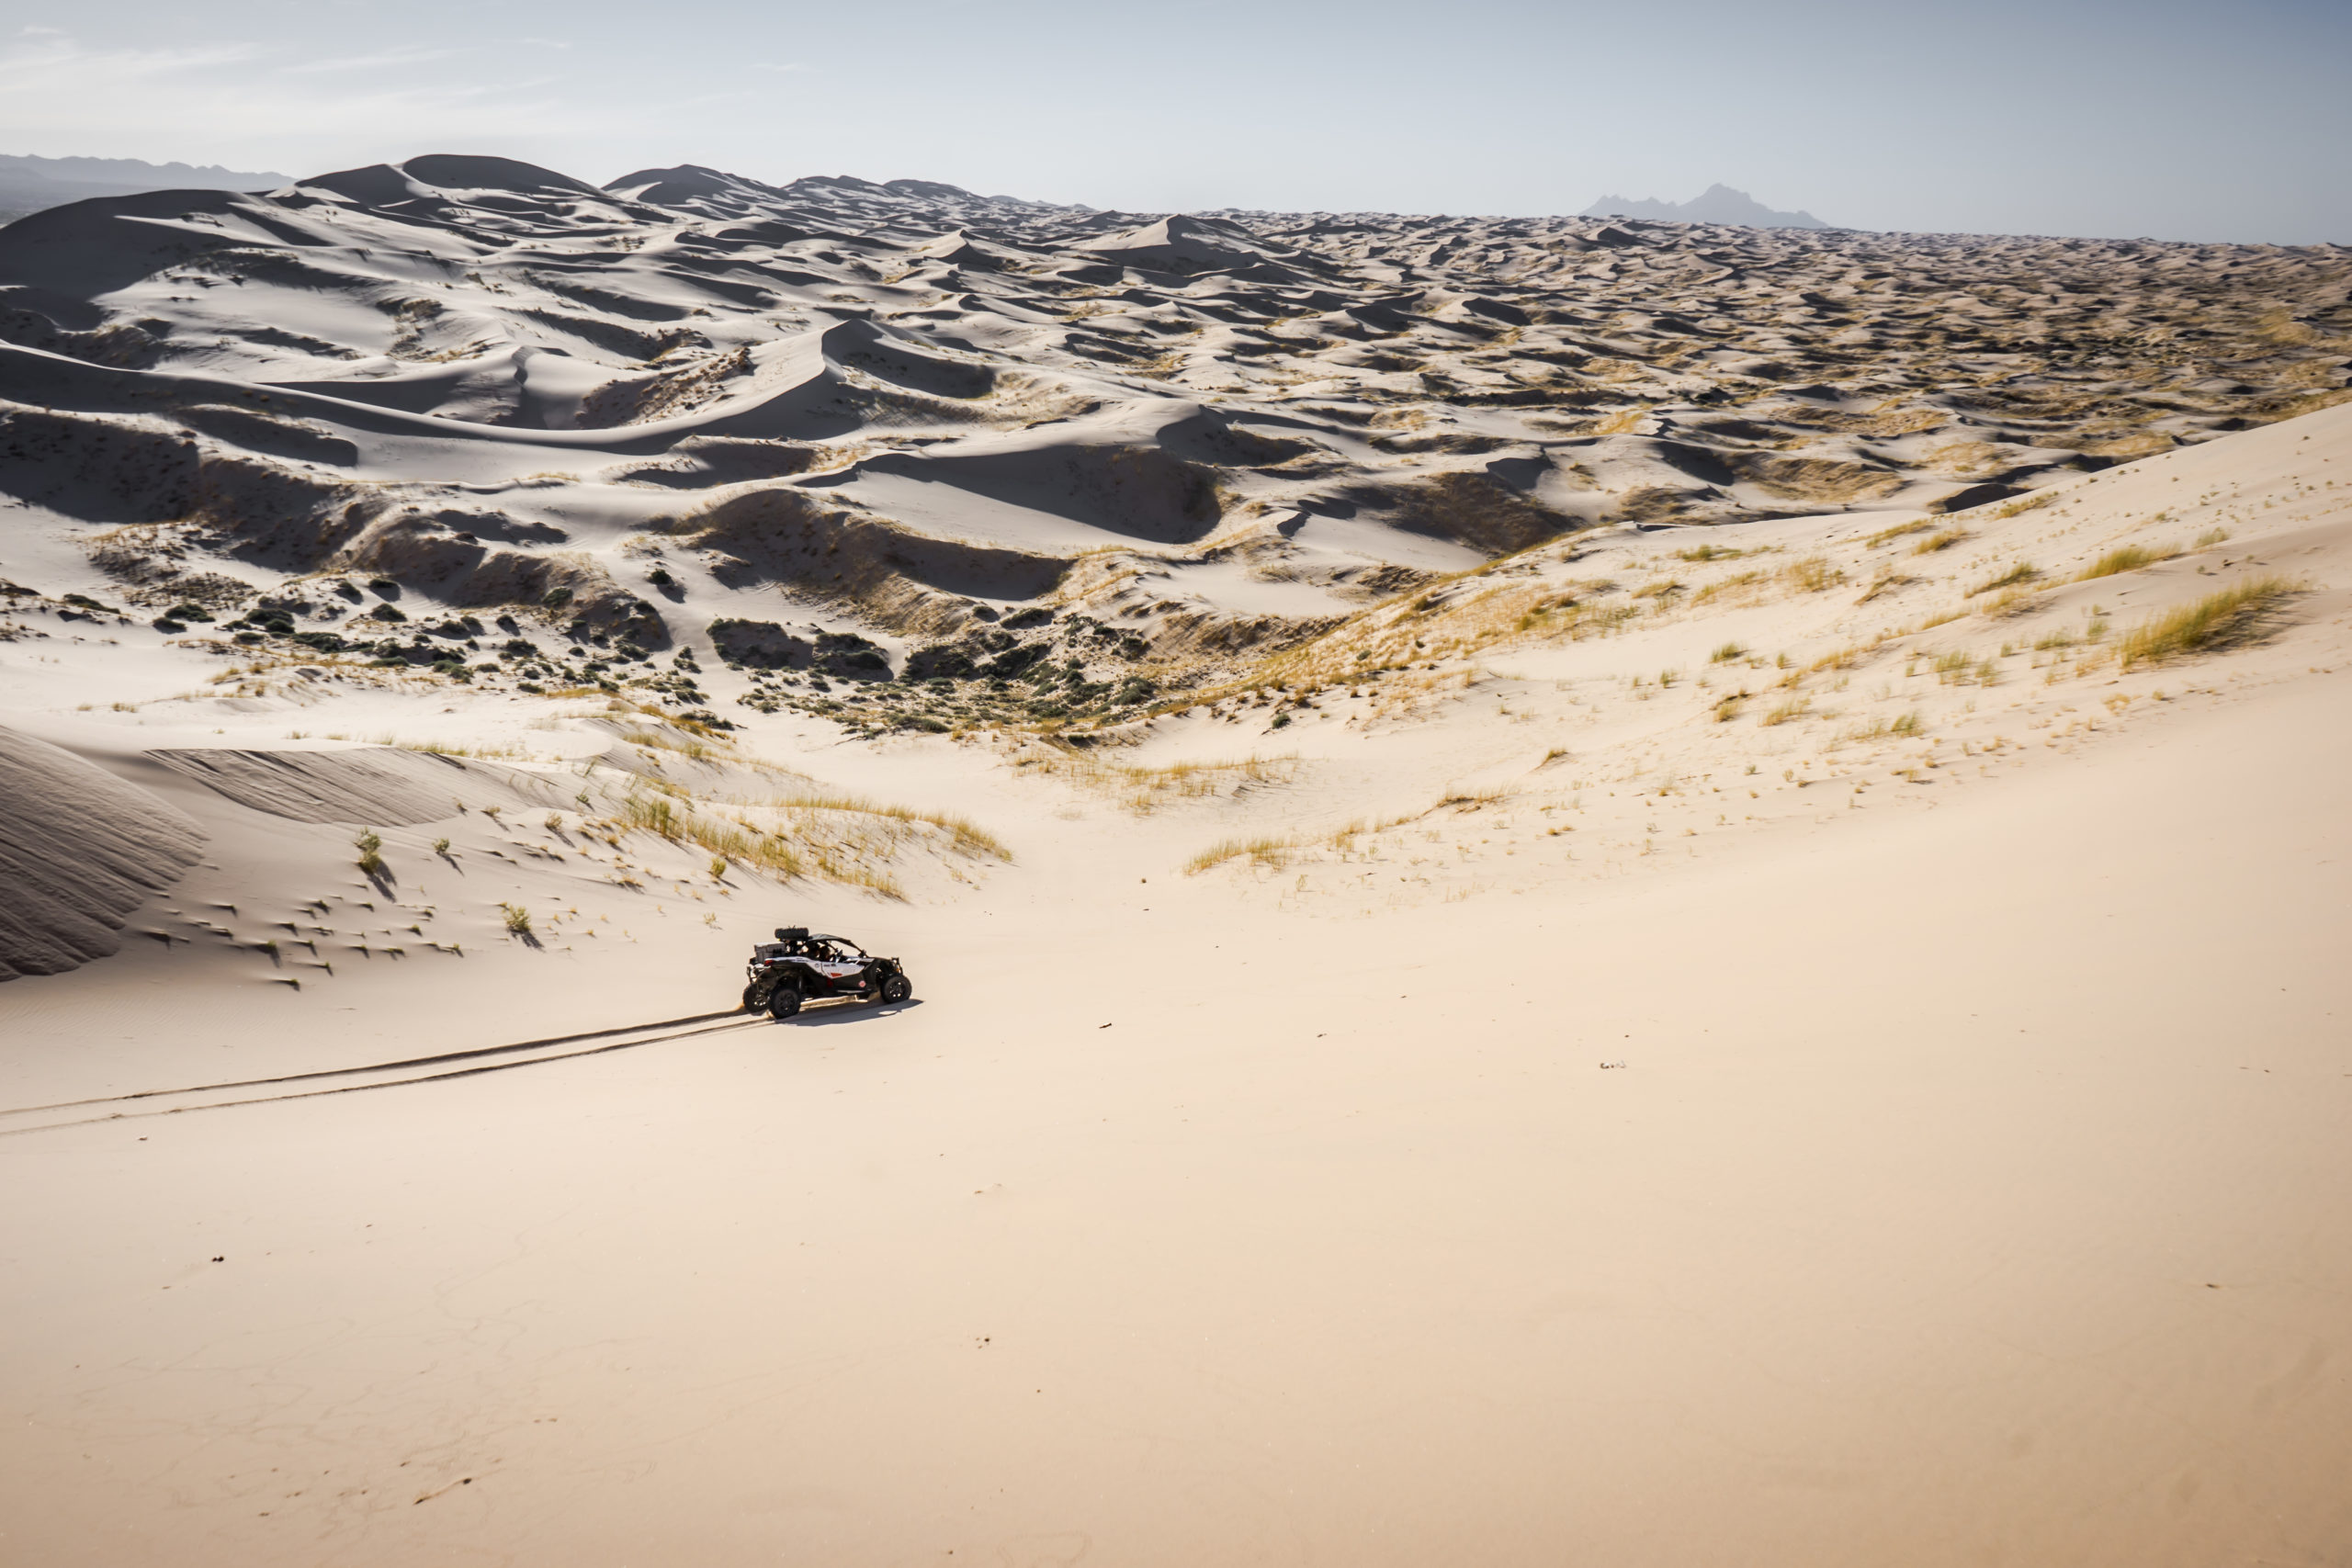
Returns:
point(1837, 658)
point(2213, 621)
point(2023, 572)
point(1813, 575)
point(445, 748)
point(843, 839)
point(1732, 584)
point(693, 749)
point(1908, 727)
point(652, 813)
point(2130, 558)
point(1888, 536)
point(1942, 540)
point(1271, 853)
point(1143, 790)
point(964, 835)
point(2008, 601)
point(1344, 838)
point(2024, 504)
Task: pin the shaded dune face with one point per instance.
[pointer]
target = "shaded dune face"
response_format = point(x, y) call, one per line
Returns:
point(1140, 493)
point(379, 784)
point(80, 850)
point(875, 398)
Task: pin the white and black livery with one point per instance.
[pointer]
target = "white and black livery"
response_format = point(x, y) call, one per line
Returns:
point(801, 966)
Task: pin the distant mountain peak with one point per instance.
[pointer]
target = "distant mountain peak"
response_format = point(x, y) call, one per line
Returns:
point(29, 184)
point(1717, 204)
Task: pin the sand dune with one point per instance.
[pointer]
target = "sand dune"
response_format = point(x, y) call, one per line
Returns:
point(79, 851)
point(385, 342)
point(1574, 888)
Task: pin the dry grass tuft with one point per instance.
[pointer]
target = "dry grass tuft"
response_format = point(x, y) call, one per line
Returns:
point(1888, 536)
point(1271, 853)
point(2024, 504)
point(2130, 558)
point(1143, 790)
point(964, 836)
point(1813, 575)
point(2009, 602)
point(445, 748)
point(844, 839)
point(2023, 572)
point(2231, 615)
point(689, 748)
point(1837, 658)
point(1906, 728)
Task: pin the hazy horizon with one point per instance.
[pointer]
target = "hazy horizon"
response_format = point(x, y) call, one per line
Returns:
point(2086, 119)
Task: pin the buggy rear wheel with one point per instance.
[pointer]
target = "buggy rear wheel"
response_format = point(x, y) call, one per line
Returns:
point(751, 998)
point(785, 1003)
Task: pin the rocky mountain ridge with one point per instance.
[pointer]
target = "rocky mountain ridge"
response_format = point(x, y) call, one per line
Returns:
point(1717, 203)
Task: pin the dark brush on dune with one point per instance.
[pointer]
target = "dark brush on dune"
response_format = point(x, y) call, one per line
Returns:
point(846, 430)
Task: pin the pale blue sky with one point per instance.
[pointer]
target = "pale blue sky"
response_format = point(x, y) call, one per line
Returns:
point(2166, 119)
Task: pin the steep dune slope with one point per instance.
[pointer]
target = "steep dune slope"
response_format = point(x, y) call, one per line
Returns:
point(79, 851)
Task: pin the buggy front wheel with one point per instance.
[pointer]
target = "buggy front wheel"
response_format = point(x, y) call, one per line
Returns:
point(897, 988)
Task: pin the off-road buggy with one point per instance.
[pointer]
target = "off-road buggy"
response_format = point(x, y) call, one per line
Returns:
point(801, 966)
